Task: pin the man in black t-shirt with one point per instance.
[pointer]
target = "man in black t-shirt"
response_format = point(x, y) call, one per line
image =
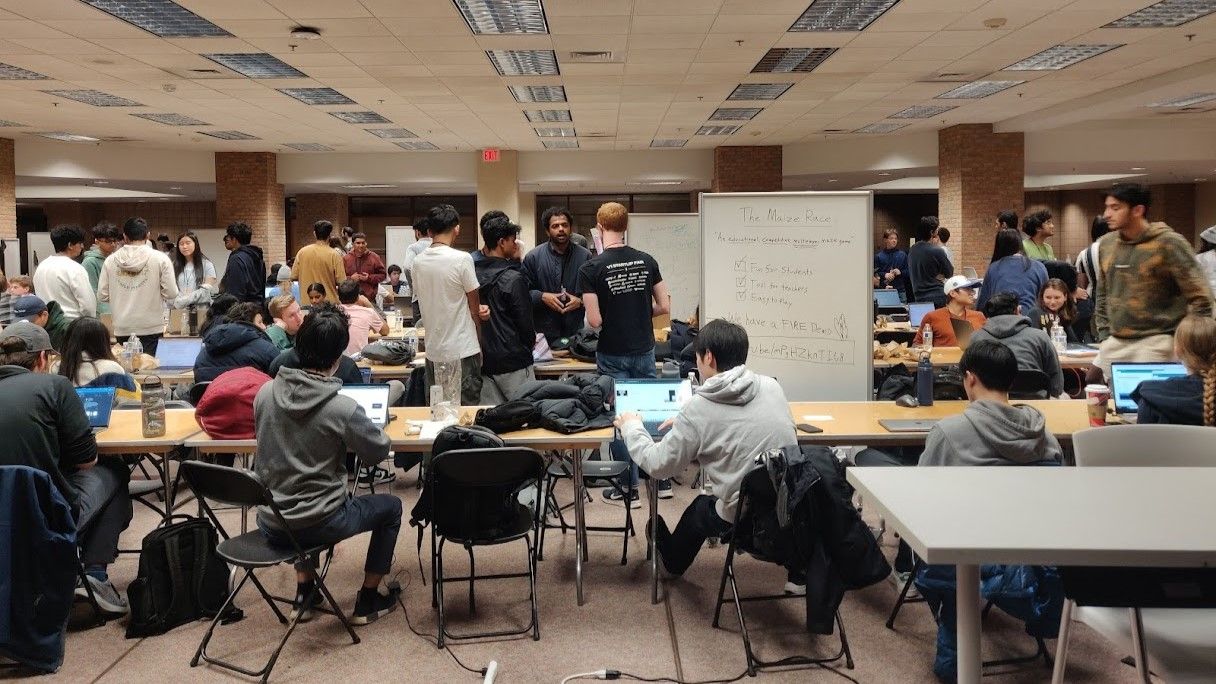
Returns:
point(622, 290)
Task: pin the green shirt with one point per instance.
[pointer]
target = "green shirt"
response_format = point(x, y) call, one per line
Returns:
point(1044, 253)
point(280, 337)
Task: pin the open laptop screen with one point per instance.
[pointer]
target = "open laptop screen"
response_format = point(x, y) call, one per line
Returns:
point(654, 400)
point(98, 402)
point(917, 311)
point(1126, 377)
point(373, 399)
point(887, 299)
point(178, 352)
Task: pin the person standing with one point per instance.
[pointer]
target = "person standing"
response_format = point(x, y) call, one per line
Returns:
point(422, 240)
point(448, 293)
point(196, 283)
point(891, 265)
point(509, 334)
point(364, 267)
point(1012, 271)
point(137, 281)
point(60, 278)
point(1007, 219)
point(1087, 279)
point(318, 263)
point(106, 239)
point(245, 275)
point(552, 269)
point(928, 265)
point(1038, 227)
point(1150, 281)
point(940, 238)
point(622, 291)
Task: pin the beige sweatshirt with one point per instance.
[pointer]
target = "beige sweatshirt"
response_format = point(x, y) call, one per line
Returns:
point(137, 280)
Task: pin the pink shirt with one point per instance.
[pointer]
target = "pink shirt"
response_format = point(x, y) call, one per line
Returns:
point(362, 321)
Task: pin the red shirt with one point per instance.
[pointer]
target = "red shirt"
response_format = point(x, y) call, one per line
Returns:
point(943, 331)
point(370, 264)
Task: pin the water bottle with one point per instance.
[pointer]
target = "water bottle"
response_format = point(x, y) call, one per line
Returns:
point(707, 489)
point(927, 339)
point(1058, 338)
point(924, 381)
point(192, 320)
point(124, 357)
point(137, 350)
point(152, 407)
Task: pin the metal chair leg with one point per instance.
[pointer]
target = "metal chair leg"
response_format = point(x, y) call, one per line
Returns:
point(472, 580)
point(1139, 645)
point(1062, 640)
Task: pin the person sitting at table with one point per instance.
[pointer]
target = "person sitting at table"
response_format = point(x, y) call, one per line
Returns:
point(734, 415)
point(305, 429)
point(363, 318)
point(87, 359)
point(1056, 305)
point(1029, 344)
point(1191, 399)
point(285, 311)
point(45, 427)
point(216, 312)
point(991, 432)
point(960, 297)
point(240, 340)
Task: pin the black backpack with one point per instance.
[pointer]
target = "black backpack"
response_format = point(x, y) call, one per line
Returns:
point(509, 417)
point(181, 579)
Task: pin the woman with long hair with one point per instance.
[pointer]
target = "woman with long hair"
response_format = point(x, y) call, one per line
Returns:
point(1012, 271)
point(196, 281)
point(1190, 399)
point(87, 355)
point(1056, 305)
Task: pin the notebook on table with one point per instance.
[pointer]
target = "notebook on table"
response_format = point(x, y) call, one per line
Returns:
point(917, 311)
point(373, 399)
point(907, 424)
point(1125, 377)
point(655, 400)
point(177, 353)
point(98, 403)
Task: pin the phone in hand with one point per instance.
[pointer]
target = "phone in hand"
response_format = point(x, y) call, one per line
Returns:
point(808, 428)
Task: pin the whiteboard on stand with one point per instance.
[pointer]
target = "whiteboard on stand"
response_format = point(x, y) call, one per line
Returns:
point(793, 269)
point(674, 240)
point(397, 240)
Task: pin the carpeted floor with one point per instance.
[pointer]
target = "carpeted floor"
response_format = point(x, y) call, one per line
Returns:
point(617, 628)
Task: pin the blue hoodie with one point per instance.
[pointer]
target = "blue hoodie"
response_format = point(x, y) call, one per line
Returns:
point(1017, 274)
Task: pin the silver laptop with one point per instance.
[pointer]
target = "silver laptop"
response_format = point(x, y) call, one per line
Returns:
point(908, 424)
point(1125, 377)
point(373, 399)
point(177, 353)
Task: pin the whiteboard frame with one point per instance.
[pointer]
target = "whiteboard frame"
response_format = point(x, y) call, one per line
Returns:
point(693, 217)
point(865, 281)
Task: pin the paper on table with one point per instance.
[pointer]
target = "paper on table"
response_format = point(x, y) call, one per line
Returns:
point(431, 428)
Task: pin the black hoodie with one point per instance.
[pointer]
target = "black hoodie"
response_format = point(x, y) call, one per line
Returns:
point(245, 275)
point(1178, 401)
point(509, 335)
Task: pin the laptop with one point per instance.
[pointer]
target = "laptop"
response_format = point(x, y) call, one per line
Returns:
point(98, 403)
point(1125, 377)
point(887, 299)
point(908, 424)
point(917, 311)
point(177, 353)
point(655, 400)
point(962, 332)
point(373, 399)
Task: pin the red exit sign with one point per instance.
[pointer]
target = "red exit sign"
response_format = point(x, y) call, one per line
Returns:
point(489, 154)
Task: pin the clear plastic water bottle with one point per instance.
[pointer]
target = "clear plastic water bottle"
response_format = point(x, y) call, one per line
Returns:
point(152, 407)
point(927, 339)
point(1059, 338)
point(137, 351)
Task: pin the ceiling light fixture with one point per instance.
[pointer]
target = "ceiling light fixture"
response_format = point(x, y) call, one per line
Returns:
point(93, 97)
point(1186, 100)
point(391, 133)
point(9, 72)
point(548, 115)
point(230, 135)
point(256, 64)
point(977, 89)
point(841, 15)
point(668, 142)
point(317, 96)
point(922, 111)
point(881, 127)
point(173, 119)
point(503, 16)
point(68, 137)
point(792, 60)
point(1060, 57)
point(1165, 14)
point(9, 124)
point(524, 62)
point(560, 144)
point(1138, 168)
point(370, 186)
point(563, 132)
point(759, 91)
point(415, 145)
point(735, 113)
point(364, 117)
point(160, 17)
point(537, 93)
point(309, 147)
point(718, 130)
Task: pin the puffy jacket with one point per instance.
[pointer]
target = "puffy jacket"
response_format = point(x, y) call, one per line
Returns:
point(508, 337)
point(233, 345)
point(573, 404)
point(226, 409)
point(245, 275)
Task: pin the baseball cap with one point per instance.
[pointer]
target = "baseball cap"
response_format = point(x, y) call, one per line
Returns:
point(1209, 235)
point(284, 273)
point(960, 282)
point(35, 337)
point(28, 306)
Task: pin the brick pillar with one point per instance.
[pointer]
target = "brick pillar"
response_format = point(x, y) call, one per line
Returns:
point(747, 169)
point(247, 189)
point(1174, 203)
point(8, 190)
point(311, 208)
point(981, 173)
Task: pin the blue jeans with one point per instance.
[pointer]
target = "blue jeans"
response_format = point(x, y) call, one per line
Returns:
point(379, 514)
point(625, 368)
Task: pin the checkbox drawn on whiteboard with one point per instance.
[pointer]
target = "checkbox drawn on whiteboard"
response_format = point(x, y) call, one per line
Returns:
point(740, 282)
point(741, 296)
point(741, 265)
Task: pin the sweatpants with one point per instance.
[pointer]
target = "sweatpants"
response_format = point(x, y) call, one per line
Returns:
point(105, 509)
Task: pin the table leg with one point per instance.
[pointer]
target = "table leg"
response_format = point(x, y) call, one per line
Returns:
point(968, 600)
point(652, 501)
point(580, 524)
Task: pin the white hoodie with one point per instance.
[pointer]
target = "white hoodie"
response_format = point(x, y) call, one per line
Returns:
point(137, 280)
point(732, 418)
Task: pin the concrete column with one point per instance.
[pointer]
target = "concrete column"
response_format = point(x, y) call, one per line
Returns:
point(247, 189)
point(497, 188)
point(981, 173)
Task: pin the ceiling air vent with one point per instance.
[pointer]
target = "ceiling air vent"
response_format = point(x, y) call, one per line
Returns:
point(591, 56)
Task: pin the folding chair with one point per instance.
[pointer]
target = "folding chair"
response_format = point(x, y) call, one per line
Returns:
point(474, 504)
point(252, 551)
point(595, 473)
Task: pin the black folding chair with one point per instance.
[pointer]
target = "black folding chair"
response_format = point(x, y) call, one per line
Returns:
point(474, 504)
point(757, 494)
point(252, 551)
point(595, 473)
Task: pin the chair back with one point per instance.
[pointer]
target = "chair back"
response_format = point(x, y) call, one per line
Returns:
point(196, 392)
point(229, 486)
point(474, 490)
point(1029, 383)
point(1179, 446)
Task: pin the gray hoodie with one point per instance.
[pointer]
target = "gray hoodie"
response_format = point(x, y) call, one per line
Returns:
point(991, 433)
point(304, 429)
point(730, 419)
point(1030, 346)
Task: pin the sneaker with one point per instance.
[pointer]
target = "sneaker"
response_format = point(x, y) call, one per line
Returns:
point(375, 475)
point(108, 598)
point(612, 496)
point(665, 491)
point(298, 607)
point(793, 589)
point(371, 606)
point(898, 579)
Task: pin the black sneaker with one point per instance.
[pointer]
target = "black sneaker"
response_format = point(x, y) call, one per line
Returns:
point(375, 475)
point(298, 607)
point(371, 606)
point(665, 491)
point(613, 496)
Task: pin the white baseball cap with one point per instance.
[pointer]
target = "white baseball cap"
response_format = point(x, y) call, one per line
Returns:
point(960, 282)
point(1209, 235)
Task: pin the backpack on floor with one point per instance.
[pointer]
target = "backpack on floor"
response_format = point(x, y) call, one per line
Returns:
point(181, 579)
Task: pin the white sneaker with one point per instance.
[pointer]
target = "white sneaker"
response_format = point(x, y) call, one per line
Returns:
point(795, 589)
point(108, 598)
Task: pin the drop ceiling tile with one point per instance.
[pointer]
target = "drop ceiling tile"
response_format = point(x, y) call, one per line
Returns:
point(917, 21)
point(63, 46)
point(384, 58)
point(661, 56)
point(351, 44)
point(431, 43)
point(213, 46)
point(12, 30)
point(231, 9)
point(580, 26)
point(609, 69)
point(698, 24)
point(677, 7)
point(141, 46)
point(389, 73)
point(581, 8)
point(426, 26)
point(320, 9)
point(647, 41)
point(825, 39)
point(656, 69)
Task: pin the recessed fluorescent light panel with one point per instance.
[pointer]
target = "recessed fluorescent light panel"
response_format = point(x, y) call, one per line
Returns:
point(94, 97)
point(360, 117)
point(67, 137)
point(717, 130)
point(1166, 13)
point(370, 186)
point(317, 96)
point(759, 91)
point(538, 93)
point(668, 142)
point(792, 60)
point(309, 147)
point(173, 119)
point(230, 135)
point(977, 89)
point(735, 113)
point(9, 72)
point(841, 15)
point(548, 115)
point(160, 17)
point(1059, 57)
point(256, 65)
point(560, 144)
point(922, 111)
point(503, 16)
point(524, 62)
point(881, 127)
point(415, 145)
point(556, 133)
point(390, 133)
point(1186, 100)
